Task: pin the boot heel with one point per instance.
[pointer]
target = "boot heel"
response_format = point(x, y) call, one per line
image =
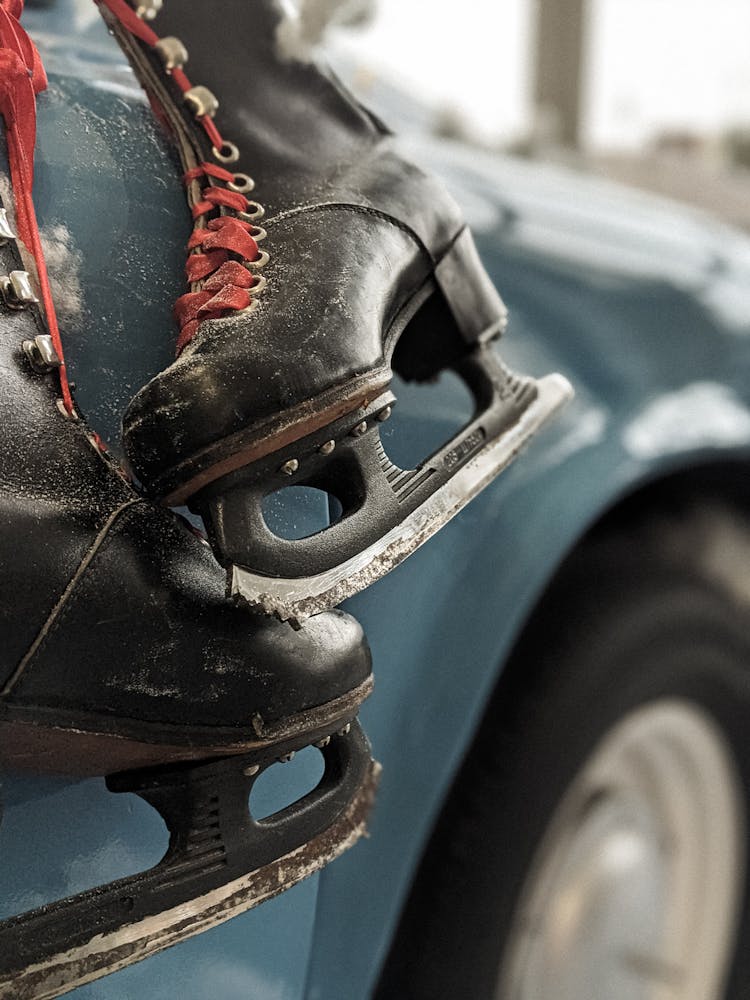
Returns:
point(463, 311)
point(479, 312)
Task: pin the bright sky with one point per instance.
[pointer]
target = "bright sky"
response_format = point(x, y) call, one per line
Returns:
point(652, 63)
point(471, 53)
point(680, 63)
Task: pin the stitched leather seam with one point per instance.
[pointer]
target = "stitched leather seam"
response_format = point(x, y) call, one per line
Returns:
point(58, 611)
point(352, 207)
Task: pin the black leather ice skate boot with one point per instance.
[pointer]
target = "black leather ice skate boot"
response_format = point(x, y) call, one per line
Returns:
point(119, 646)
point(121, 655)
point(367, 268)
point(120, 651)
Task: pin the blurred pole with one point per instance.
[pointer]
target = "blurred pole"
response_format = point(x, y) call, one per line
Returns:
point(558, 70)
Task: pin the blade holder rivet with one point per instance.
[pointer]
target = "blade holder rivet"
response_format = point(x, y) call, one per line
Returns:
point(321, 744)
point(285, 758)
point(327, 448)
point(290, 467)
point(385, 414)
point(346, 730)
point(251, 770)
point(359, 430)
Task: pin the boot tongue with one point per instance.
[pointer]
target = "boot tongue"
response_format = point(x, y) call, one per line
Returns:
point(296, 126)
point(301, 135)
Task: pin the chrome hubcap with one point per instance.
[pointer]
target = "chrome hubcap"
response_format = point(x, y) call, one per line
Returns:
point(635, 889)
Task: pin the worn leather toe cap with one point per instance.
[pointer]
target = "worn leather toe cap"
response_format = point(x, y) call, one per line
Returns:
point(145, 632)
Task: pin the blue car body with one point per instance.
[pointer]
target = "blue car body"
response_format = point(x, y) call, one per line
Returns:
point(643, 306)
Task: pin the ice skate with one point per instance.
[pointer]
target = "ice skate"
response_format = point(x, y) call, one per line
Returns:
point(220, 862)
point(121, 655)
point(288, 343)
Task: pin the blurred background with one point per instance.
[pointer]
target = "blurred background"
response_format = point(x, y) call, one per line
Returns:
point(654, 93)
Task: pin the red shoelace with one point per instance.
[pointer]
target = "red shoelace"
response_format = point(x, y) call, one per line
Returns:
point(22, 77)
point(222, 242)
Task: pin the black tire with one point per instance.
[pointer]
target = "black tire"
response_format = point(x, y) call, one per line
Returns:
point(630, 618)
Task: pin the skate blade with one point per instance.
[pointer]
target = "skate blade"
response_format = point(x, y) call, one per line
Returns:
point(301, 597)
point(206, 877)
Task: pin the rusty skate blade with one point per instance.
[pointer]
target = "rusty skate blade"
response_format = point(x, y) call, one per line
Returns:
point(299, 597)
point(220, 862)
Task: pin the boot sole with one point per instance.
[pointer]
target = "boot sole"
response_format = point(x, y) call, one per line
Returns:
point(54, 742)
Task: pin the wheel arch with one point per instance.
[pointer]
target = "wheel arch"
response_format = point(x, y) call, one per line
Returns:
point(700, 499)
point(702, 495)
point(726, 481)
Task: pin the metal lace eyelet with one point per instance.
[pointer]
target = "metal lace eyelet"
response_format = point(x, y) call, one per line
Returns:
point(260, 261)
point(65, 412)
point(41, 353)
point(148, 9)
point(258, 233)
point(201, 101)
point(228, 153)
point(248, 309)
point(241, 183)
point(258, 285)
point(253, 212)
point(16, 290)
point(6, 232)
point(173, 53)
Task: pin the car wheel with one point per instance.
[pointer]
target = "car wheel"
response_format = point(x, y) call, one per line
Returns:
point(594, 844)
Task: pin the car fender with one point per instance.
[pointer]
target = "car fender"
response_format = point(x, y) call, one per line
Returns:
point(645, 307)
